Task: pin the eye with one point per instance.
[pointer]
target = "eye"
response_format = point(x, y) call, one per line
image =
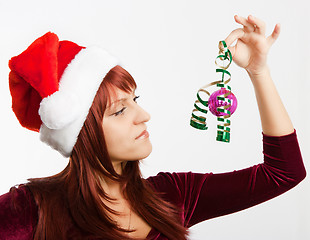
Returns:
point(120, 112)
point(123, 109)
point(135, 98)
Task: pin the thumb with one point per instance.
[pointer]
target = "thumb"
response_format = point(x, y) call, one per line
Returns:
point(232, 49)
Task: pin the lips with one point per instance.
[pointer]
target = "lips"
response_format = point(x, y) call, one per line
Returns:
point(144, 134)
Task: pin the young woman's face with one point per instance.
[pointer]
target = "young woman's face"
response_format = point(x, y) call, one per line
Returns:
point(123, 123)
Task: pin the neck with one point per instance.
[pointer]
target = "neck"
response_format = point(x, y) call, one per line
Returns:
point(118, 167)
point(113, 188)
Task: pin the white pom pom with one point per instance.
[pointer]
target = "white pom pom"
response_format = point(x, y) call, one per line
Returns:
point(59, 109)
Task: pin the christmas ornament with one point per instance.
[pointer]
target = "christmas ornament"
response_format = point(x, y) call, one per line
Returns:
point(221, 103)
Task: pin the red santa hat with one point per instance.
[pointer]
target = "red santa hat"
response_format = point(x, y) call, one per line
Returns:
point(53, 84)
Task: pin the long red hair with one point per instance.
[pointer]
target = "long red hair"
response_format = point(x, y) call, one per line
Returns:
point(73, 197)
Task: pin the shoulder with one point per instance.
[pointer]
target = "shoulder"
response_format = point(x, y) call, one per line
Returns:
point(18, 213)
point(178, 183)
point(176, 178)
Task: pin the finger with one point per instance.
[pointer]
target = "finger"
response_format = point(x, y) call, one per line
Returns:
point(234, 35)
point(275, 34)
point(260, 26)
point(247, 26)
point(232, 50)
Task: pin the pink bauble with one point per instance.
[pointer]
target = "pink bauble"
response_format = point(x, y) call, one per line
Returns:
point(214, 103)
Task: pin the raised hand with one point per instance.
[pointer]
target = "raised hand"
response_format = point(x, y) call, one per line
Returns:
point(252, 47)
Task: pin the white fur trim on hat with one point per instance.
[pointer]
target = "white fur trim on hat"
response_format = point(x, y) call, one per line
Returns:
point(64, 112)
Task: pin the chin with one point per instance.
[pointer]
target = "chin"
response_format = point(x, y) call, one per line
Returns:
point(146, 152)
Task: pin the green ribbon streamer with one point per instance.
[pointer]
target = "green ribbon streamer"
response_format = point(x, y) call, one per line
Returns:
point(199, 121)
point(223, 129)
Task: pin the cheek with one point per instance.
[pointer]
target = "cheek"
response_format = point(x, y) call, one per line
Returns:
point(117, 138)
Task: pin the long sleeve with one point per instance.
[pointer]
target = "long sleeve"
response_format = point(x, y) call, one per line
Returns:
point(18, 214)
point(205, 196)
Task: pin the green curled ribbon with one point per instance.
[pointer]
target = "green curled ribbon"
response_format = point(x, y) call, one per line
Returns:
point(198, 119)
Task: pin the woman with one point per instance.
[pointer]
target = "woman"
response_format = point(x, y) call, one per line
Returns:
point(57, 90)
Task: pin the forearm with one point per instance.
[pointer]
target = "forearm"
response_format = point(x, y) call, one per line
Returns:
point(274, 117)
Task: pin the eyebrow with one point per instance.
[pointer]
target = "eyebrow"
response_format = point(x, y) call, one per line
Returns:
point(117, 101)
point(120, 100)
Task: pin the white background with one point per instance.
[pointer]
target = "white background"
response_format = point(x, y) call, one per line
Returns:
point(169, 47)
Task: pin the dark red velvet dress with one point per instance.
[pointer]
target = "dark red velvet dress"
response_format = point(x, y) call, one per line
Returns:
point(201, 196)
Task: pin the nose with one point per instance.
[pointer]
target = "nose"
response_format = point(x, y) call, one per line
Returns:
point(141, 116)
